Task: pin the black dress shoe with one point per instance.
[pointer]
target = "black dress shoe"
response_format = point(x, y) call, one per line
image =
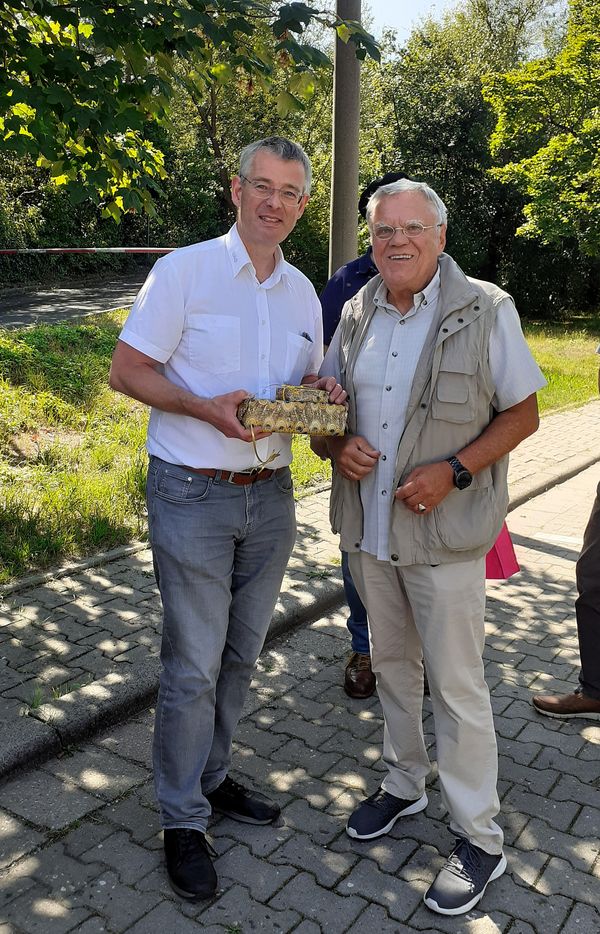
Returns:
point(242, 804)
point(189, 864)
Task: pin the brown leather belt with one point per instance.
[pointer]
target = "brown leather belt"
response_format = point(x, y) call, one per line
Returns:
point(230, 476)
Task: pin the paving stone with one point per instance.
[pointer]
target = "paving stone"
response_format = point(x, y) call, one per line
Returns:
point(527, 904)
point(558, 814)
point(375, 918)
point(560, 878)
point(398, 897)
point(322, 827)
point(327, 865)
point(580, 853)
point(547, 736)
point(45, 801)
point(131, 740)
point(16, 880)
point(86, 835)
point(583, 919)
point(119, 904)
point(550, 758)
point(261, 741)
point(16, 839)
point(130, 861)
point(534, 780)
point(261, 841)
point(95, 925)
point(334, 912)
point(140, 822)
point(38, 912)
point(308, 927)
point(166, 917)
point(62, 873)
point(388, 854)
point(295, 726)
point(588, 823)
point(97, 771)
point(261, 878)
point(314, 711)
point(316, 762)
point(235, 909)
point(522, 752)
point(475, 922)
point(572, 789)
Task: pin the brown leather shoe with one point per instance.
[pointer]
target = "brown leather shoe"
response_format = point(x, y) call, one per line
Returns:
point(567, 705)
point(359, 680)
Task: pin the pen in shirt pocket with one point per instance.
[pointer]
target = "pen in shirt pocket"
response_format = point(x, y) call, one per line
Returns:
point(306, 336)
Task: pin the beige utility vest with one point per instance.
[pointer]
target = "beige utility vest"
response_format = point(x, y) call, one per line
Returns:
point(449, 406)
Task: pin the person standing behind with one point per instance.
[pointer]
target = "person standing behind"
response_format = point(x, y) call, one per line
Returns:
point(359, 680)
point(214, 323)
point(584, 701)
point(441, 386)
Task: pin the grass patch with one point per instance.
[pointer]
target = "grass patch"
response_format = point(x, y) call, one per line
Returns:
point(566, 355)
point(72, 458)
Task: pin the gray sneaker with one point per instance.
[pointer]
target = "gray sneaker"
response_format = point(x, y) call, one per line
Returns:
point(460, 884)
point(379, 812)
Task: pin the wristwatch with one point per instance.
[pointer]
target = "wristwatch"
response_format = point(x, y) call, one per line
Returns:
point(462, 477)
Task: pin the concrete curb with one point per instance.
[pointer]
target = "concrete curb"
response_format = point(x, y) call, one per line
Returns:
point(53, 727)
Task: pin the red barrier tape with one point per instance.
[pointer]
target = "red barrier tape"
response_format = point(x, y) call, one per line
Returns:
point(93, 249)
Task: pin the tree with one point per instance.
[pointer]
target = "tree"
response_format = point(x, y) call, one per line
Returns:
point(548, 134)
point(83, 80)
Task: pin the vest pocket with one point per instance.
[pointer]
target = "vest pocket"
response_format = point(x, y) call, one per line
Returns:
point(467, 519)
point(454, 397)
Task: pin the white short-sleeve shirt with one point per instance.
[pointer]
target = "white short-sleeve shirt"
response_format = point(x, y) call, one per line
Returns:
point(203, 315)
point(383, 377)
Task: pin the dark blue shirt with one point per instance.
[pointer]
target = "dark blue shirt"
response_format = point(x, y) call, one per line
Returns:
point(342, 286)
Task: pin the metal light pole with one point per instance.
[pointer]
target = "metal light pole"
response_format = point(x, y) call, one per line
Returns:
point(343, 243)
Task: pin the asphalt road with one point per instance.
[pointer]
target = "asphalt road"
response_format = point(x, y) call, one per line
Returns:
point(18, 309)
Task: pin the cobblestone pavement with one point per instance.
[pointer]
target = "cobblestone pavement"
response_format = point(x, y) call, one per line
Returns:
point(80, 844)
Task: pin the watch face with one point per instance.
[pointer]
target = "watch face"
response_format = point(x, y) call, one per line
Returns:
point(463, 479)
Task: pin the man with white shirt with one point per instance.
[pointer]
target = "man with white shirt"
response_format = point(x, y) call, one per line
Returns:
point(441, 386)
point(214, 323)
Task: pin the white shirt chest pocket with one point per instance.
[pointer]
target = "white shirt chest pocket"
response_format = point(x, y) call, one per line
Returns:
point(214, 343)
point(298, 350)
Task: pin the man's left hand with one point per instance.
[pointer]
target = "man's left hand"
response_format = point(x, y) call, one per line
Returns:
point(336, 393)
point(426, 486)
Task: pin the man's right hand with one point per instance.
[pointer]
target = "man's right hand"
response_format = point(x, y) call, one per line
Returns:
point(353, 455)
point(221, 413)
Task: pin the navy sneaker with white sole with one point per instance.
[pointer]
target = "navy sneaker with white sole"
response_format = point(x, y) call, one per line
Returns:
point(460, 884)
point(379, 812)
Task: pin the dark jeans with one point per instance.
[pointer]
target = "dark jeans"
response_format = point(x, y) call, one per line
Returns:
point(587, 605)
point(357, 621)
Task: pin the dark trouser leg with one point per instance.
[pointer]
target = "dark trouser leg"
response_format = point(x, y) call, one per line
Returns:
point(587, 606)
point(357, 621)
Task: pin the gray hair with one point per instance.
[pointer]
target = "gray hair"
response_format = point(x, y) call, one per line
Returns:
point(281, 147)
point(406, 184)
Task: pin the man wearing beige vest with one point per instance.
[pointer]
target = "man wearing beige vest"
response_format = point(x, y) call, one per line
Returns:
point(441, 386)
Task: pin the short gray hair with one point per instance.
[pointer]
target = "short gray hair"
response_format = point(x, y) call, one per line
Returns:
point(406, 184)
point(281, 147)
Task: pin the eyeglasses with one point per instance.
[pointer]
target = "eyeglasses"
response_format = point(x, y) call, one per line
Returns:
point(260, 190)
point(412, 230)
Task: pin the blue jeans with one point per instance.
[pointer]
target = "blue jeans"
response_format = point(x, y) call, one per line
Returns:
point(357, 621)
point(220, 552)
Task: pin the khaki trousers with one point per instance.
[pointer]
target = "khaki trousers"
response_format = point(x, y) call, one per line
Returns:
point(435, 613)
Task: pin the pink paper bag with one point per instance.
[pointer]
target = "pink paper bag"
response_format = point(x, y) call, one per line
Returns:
point(501, 561)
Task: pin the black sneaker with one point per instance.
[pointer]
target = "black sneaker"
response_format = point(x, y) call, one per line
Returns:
point(189, 864)
point(378, 814)
point(463, 880)
point(242, 804)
